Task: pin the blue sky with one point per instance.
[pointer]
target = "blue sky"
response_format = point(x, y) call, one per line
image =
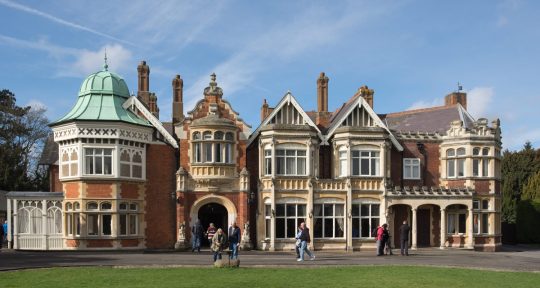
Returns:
point(411, 53)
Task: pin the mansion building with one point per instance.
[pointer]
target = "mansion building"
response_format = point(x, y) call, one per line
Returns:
point(123, 179)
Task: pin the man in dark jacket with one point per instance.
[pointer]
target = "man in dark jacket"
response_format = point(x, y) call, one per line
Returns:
point(304, 240)
point(404, 238)
point(234, 240)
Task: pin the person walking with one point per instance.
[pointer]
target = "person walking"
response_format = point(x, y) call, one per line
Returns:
point(196, 235)
point(234, 240)
point(218, 243)
point(304, 240)
point(210, 233)
point(5, 227)
point(380, 239)
point(404, 238)
point(298, 243)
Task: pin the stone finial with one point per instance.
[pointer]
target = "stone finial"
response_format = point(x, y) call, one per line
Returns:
point(213, 88)
point(105, 65)
point(365, 91)
point(244, 172)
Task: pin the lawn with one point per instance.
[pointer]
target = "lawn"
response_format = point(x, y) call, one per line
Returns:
point(351, 276)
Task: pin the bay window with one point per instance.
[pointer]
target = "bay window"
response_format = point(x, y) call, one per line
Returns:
point(288, 218)
point(455, 163)
point(456, 219)
point(343, 163)
point(365, 218)
point(290, 162)
point(329, 220)
point(212, 148)
point(128, 218)
point(98, 161)
point(267, 162)
point(481, 216)
point(365, 163)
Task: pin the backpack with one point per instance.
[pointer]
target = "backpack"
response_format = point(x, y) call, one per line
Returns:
point(374, 232)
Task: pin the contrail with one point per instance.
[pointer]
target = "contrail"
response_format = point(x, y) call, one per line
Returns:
point(58, 20)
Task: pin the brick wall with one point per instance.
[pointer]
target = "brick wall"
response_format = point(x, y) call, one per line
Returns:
point(99, 189)
point(54, 179)
point(481, 187)
point(160, 227)
point(429, 164)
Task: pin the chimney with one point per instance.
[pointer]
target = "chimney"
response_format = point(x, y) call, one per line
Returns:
point(143, 83)
point(178, 99)
point(455, 98)
point(322, 93)
point(152, 105)
point(265, 111)
point(367, 94)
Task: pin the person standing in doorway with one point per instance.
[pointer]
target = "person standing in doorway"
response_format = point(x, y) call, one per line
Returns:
point(210, 232)
point(404, 238)
point(2, 236)
point(234, 240)
point(196, 234)
point(304, 240)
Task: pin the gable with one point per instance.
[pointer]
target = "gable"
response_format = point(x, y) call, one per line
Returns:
point(287, 114)
point(288, 111)
point(359, 113)
point(358, 117)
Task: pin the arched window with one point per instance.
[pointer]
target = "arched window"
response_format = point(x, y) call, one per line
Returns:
point(218, 135)
point(196, 136)
point(106, 206)
point(91, 206)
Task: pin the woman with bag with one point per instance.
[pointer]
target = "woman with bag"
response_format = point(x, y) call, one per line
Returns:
point(218, 243)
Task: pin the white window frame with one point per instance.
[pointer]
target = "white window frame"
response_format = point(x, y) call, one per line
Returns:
point(481, 214)
point(373, 155)
point(297, 218)
point(288, 171)
point(343, 166)
point(412, 164)
point(267, 162)
point(371, 217)
point(69, 162)
point(322, 217)
point(112, 157)
point(216, 147)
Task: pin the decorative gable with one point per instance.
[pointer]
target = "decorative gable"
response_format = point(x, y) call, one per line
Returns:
point(288, 112)
point(359, 117)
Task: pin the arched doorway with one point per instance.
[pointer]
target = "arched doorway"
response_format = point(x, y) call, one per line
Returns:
point(213, 213)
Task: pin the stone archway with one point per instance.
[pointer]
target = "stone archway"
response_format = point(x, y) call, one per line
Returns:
point(203, 203)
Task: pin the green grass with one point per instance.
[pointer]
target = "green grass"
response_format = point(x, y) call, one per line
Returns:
point(351, 276)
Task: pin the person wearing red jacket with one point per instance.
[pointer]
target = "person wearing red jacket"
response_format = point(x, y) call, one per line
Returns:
point(380, 239)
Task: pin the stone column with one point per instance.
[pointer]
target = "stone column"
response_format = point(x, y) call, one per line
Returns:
point(348, 223)
point(470, 232)
point(9, 238)
point(15, 227)
point(44, 224)
point(443, 228)
point(413, 246)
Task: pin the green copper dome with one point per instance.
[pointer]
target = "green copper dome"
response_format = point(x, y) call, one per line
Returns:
point(101, 97)
point(104, 82)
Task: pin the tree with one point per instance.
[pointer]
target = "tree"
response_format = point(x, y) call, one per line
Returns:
point(22, 134)
point(516, 169)
point(531, 190)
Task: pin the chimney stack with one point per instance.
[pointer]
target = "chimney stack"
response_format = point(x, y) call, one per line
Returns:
point(265, 111)
point(143, 83)
point(367, 94)
point(322, 93)
point(455, 98)
point(178, 99)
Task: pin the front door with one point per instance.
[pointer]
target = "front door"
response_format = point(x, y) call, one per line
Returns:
point(423, 227)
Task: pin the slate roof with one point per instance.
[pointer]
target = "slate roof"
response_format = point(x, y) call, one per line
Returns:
point(434, 119)
point(49, 156)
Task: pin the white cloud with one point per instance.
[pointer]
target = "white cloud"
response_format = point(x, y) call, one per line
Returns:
point(41, 44)
point(479, 100)
point(312, 28)
point(36, 104)
point(426, 104)
point(50, 17)
point(88, 62)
